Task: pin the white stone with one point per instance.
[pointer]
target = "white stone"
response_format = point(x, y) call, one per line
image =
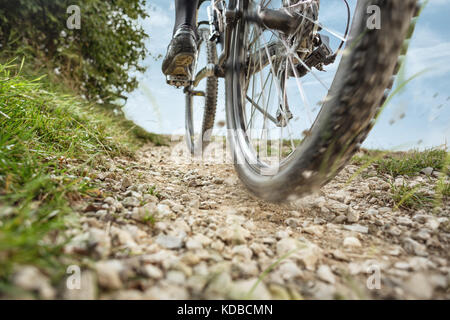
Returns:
point(29, 278)
point(108, 273)
point(324, 273)
point(420, 286)
point(152, 272)
point(169, 241)
point(352, 242)
point(356, 228)
point(352, 216)
point(242, 289)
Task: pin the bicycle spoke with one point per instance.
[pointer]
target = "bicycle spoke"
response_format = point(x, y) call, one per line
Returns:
point(257, 107)
point(320, 25)
point(301, 90)
point(290, 51)
point(278, 58)
point(285, 108)
point(259, 97)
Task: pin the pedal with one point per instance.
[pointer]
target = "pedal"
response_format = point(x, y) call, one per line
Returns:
point(178, 81)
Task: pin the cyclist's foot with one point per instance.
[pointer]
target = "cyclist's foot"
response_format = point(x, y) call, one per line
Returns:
point(180, 56)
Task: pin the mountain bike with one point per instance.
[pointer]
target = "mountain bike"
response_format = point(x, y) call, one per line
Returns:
point(304, 82)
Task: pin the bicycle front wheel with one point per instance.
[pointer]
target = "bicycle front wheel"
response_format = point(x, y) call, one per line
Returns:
point(294, 127)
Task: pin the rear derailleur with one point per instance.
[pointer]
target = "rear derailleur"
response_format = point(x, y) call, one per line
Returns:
point(321, 56)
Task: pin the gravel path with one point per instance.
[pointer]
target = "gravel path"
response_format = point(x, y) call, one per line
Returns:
point(167, 230)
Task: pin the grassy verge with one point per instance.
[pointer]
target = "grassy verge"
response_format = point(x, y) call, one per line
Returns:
point(390, 165)
point(49, 139)
point(403, 163)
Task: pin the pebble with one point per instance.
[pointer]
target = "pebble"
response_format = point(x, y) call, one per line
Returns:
point(176, 277)
point(289, 270)
point(166, 292)
point(413, 247)
point(108, 273)
point(287, 245)
point(164, 210)
point(123, 237)
point(336, 206)
point(339, 255)
point(352, 216)
point(420, 286)
point(29, 278)
point(314, 230)
point(402, 265)
point(356, 228)
point(404, 221)
point(152, 272)
point(352, 242)
point(324, 291)
point(217, 245)
point(308, 255)
point(324, 273)
point(243, 251)
point(422, 235)
point(427, 171)
point(169, 242)
point(293, 222)
point(220, 285)
point(126, 182)
point(432, 223)
point(340, 219)
point(131, 202)
point(243, 289)
point(384, 210)
point(145, 213)
point(193, 244)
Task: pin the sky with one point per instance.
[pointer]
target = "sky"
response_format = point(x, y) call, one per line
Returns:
point(416, 118)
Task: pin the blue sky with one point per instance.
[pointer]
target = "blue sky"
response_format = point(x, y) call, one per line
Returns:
point(419, 117)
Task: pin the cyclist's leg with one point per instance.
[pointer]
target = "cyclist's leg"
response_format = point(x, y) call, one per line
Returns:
point(185, 14)
point(183, 48)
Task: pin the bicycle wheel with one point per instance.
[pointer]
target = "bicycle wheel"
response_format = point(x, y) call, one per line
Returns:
point(282, 146)
point(201, 99)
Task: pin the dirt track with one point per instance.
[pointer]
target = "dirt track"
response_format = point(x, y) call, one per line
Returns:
point(166, 230)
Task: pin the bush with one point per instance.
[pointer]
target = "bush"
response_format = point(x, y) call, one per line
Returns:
point(98, 58)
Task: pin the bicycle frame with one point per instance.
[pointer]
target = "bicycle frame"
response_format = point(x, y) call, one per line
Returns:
point(265, 18)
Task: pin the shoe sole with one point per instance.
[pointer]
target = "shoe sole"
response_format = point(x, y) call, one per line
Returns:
point(180, 66)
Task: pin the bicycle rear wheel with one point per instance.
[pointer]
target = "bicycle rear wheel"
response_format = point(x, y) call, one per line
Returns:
point(201, 99)
point(282, 147)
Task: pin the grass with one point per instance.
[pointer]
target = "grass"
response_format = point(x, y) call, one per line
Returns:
point(411, 163)
point(410, 198)
point(390, 165)
point(443, 189)
point(152, 191)
point(49, 141)
point(403, 163)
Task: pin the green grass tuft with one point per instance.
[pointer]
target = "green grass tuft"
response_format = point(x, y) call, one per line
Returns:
point(406, 197)
point(403, 163)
